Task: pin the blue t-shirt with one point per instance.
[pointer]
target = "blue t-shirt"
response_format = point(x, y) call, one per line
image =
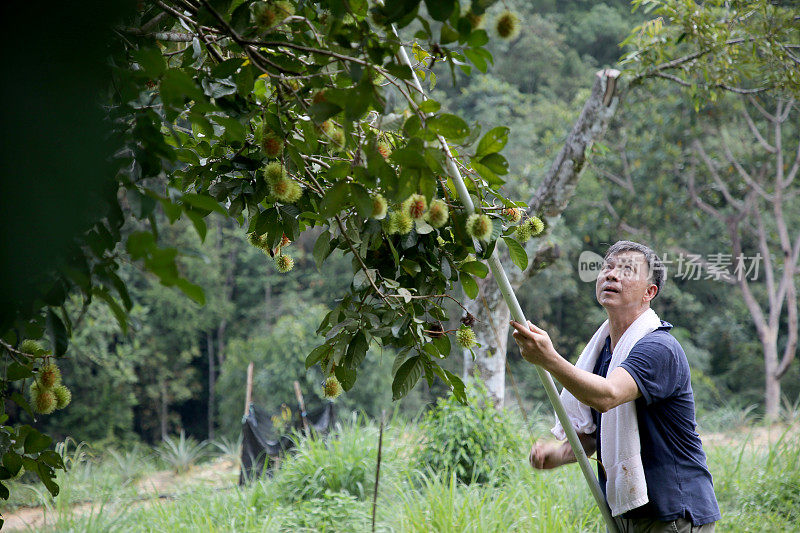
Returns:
point(679, 484)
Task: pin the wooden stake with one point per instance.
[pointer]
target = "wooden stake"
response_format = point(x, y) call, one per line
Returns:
point(248, 397)
point(299, 394)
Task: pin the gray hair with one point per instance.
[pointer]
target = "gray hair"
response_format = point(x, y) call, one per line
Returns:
point(657, 272)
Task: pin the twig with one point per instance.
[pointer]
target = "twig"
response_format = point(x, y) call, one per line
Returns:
point(378, 470)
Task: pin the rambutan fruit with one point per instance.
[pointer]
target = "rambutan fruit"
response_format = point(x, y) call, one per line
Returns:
point(523, 233)
point(286, 190)
point(512, 214)
point(384, 149)
point(63, 396)
point(264, 15)
point(319, 97)
point(272, 145)
point(415, 206)
point(438, 213)
point(274, 172)
point(465, 337)
point(379, 207)
point(32, 347)
point(284, 241)
point(337, 139)
point(331, 389)
point(537, 226)
point(254, 239)
point(49, 376)
point(43, 400)
point(327, 127)
point(479, 226)
point(284, 9)
point(284, 263)
point(402, 222)
point(507, 25)
point(475, 20)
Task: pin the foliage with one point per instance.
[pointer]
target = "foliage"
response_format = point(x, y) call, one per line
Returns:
point(466, 440)
point(182, 453)
point(334, 511)
point(741, 46)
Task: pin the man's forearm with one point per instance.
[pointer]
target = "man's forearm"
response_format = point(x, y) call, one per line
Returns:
point(590, 389)
point(587, 442)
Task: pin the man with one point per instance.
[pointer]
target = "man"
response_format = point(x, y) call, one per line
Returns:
point(647, 385)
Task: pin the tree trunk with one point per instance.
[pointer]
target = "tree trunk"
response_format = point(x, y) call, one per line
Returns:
point(772, 395)
point(550, 199)
point(491, 332)
point(212, 378)
point(162, 385)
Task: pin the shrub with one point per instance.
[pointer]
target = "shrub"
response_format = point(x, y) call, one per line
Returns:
point(467, 440)
point(181, 454)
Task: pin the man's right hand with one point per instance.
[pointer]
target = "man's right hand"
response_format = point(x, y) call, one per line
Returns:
point(547, 455)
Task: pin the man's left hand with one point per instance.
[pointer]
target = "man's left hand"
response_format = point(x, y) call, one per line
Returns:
point(534, 343)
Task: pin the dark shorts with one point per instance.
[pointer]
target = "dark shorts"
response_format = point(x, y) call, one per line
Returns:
point(646, 525)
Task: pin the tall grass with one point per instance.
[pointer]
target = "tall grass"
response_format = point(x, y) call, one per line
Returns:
point(327, 484)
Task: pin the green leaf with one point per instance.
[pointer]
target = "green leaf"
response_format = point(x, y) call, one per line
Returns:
point(496, 163)
point(318, 354)
point(198, 223)
point(361, 200)
point(406, 377)
point(203, 201)
point(430, 106)
point(346, 376)
point(356, 351)
point(334, 199)
point(227, 67)
point(234, 130)
point(478, 38)
point(58, 333)
point(195, 292)
point(469, 285)
point(440, 9)
point(36, 442)
point(20, 400)
point(322, 248)
point(176, 85)
point(517, 251)
point(494, 141)
point(459, 390)
point(119, 312)
point(477, 59)
point(475, 268)
point(16, 371)
point(451, 127)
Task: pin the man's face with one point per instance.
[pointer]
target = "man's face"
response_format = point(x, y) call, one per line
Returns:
point(623, 281)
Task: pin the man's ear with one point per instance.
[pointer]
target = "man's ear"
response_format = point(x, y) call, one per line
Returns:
point(650, 292)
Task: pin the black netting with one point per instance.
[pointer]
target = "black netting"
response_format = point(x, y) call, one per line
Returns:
point(261, 443)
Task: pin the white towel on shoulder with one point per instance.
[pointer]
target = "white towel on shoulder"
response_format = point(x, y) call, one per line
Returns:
point(626, 487)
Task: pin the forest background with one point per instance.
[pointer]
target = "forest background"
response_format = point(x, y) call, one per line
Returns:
point(181, 366)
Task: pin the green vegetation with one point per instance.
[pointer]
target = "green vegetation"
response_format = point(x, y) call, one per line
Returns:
point(327, 485)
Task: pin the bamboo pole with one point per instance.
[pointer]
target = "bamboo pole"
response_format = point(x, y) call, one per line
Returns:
point(499, 274)
point(302, 404)
point(248, 391)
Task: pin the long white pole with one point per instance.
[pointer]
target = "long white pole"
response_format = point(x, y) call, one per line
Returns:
point(510, 297)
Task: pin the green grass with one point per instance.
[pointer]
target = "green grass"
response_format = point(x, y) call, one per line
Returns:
point(327, 486)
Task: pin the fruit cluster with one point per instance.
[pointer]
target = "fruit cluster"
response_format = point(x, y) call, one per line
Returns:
point(47, 393)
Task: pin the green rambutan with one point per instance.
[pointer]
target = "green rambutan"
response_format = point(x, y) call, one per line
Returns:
point(43, 400)
point(49, 376)
point(284, 241)
point(479, 226)
point(254, 239)
point(286, 190)
point(327, 127)
point(523, 232)
point(63, 396)
point(284, 9)
point(284, 263)
point(272, 145)
point(379, 207)
point(415, 206)
point(507, 25)
point(32, 347)
point(438, 212)
point(274, 171)
point(537, 226)
point(264, 15)
point(337, 139)
point(465, 337)
point(401, 222)
point(331, 389)
point(476, 21)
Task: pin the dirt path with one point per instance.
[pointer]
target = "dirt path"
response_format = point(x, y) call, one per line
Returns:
point(161, 485)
